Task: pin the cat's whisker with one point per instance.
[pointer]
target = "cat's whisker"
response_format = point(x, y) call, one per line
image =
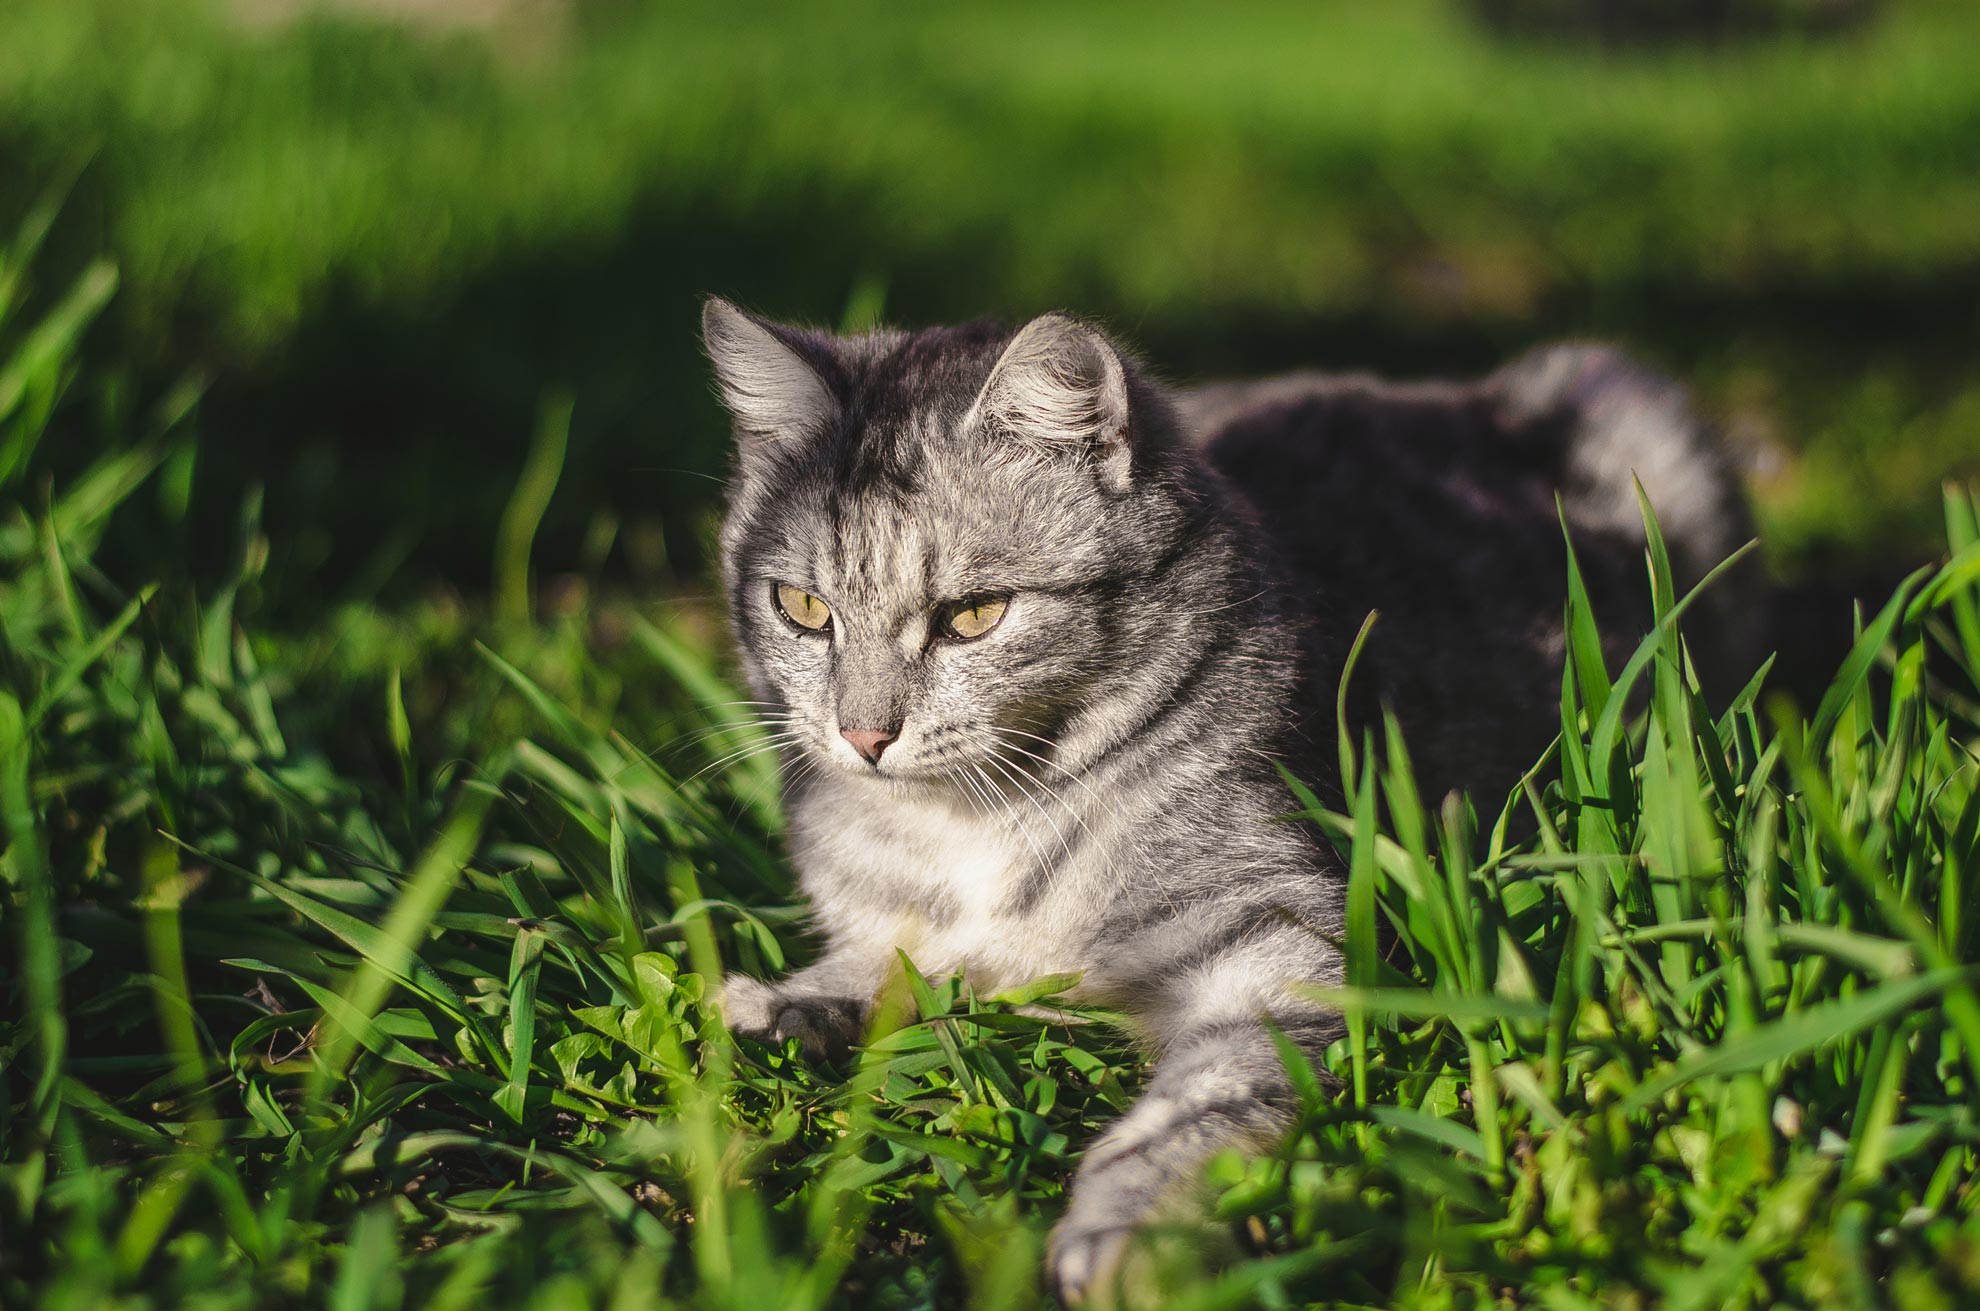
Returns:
point(1072, 811)
point(747, 753)
point(735, 758)
point(1009, 771)
point(955, 768)
point(1089, 789)
point(683, 744)
point(1220, 609)
point(1103, 805)
point(977, 803)
point(995, 745)
point(1107, 806)
point(751, 709)
point(655, 756)
point(1111, 810)
point(1017, 817)
point(1021, 732)
point(764, 732)
point(788, 783)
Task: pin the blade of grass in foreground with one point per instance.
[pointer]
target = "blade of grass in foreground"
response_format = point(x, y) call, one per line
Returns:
point(1797, 1035)
point(27, 869)
point(536, 484)
point(1423, 1004)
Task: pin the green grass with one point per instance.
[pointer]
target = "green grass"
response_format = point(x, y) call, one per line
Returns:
point(383, 243)
point(1306, 158)
point(365, 965)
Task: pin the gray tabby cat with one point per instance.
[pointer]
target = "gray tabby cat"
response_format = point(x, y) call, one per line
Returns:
point(1036, 634)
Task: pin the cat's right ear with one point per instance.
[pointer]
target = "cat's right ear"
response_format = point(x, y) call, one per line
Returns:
point(773, 390)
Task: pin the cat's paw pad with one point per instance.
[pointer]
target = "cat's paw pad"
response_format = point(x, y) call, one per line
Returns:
point(823, 1026)
point(1083, 1262)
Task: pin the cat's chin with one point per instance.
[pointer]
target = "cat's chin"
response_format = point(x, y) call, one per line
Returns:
point(846, 766)
point(901, 776)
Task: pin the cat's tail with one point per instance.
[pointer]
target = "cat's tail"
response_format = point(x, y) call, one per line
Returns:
point(1607, 422)
point(1613, 422)
point(1600, 417)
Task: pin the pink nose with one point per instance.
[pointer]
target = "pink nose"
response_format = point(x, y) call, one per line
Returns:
point(869, 742)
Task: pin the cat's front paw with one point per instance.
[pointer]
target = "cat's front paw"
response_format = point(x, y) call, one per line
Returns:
point(823, 1026)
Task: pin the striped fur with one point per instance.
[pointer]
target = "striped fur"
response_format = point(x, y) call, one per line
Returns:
point(1092, 787)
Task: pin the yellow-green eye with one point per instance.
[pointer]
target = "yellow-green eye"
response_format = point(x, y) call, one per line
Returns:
point(973, 618)
point(802, 608)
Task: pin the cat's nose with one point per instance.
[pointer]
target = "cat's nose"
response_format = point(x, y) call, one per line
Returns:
point(869, 742)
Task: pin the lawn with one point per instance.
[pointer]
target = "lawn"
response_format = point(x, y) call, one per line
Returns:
point(362, 962)
point(383, 248)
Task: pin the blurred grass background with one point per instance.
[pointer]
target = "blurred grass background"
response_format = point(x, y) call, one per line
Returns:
point(381, 232)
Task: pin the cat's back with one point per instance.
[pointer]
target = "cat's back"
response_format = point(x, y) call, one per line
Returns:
point(1436, 505)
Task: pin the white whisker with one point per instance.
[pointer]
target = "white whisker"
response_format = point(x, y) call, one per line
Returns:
point(734, 758)
point(1017, 781)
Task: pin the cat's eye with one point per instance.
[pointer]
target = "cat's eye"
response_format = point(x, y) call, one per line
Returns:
point(802, 608)
point(971, 619)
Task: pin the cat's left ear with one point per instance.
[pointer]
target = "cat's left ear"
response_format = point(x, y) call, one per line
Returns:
point(1061, 385)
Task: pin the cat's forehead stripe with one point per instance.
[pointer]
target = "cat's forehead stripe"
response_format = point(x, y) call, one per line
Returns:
point(879, 557)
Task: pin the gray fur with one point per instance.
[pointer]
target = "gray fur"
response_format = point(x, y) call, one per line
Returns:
point(1093, 787)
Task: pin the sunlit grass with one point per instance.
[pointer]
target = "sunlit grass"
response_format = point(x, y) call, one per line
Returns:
point(369, 966)
point(1793, 224)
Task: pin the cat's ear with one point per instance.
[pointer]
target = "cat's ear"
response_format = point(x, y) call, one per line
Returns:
point(1061, 385)
point(772, 389)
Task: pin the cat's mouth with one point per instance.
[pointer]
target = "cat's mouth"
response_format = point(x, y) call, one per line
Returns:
point(907, 766)
point(891, 763)
point(892, 769)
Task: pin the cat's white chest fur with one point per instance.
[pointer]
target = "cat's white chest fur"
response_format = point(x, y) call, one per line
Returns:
point(959, 859)
point(933, 879)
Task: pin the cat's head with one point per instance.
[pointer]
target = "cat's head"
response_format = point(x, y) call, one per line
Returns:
point(940, 545)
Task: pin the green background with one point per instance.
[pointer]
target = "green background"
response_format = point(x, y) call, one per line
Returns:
point(382, 242)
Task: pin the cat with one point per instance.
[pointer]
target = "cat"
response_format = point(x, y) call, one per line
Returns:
point(1035, 636)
